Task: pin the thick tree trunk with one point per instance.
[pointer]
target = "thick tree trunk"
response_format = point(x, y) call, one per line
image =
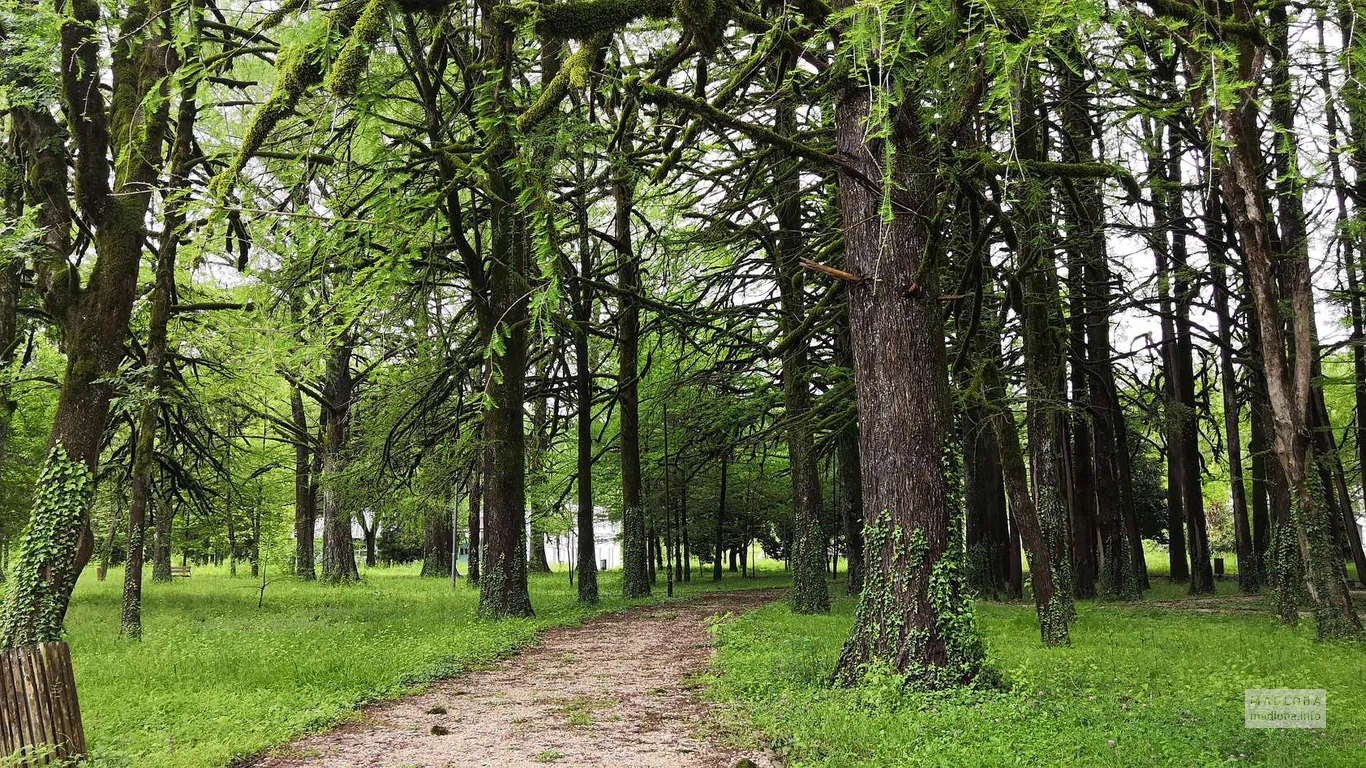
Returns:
point(339, 554)
point(94, 320)
point(537, 562)
point(437, 533)
point(503, 577)
point(913, 615)
point(503, 568)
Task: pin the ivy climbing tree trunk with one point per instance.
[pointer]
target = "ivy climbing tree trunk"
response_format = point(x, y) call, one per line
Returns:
point(57, 542)
point(913, 616)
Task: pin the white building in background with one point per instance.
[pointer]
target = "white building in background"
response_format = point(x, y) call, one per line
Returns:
point(561, 550)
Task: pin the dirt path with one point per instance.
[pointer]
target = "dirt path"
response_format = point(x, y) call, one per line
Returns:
point(612, 692)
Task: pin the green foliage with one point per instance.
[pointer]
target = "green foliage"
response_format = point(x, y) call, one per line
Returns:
point(1119, 696)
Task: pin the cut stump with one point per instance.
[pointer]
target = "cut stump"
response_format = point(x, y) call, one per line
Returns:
point(40, 718)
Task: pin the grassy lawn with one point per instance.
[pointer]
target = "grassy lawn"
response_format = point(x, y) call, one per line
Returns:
point(217, 679)
point(1140, 686)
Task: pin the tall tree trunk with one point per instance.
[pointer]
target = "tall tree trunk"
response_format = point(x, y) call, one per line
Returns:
point(1178, 571)
point(720, 537)
point(1288, 385)
point(583, 390)
point(1248, 570)
point(683, 531)
point(1182, 368)
point(503, 578)
point(1261, 506)
point(163, 296)
point(1085, 477)
point(984, 500)
point(810, 593)
point(339, 554)
point(1112, 520)
point(1045, 363)
point(637, 573)
point(475, 518)
point(913, 615)
point(94, 319)
point(1053, 610)
point(305, 512)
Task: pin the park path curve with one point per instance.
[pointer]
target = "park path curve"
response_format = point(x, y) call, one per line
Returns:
point(605, 693)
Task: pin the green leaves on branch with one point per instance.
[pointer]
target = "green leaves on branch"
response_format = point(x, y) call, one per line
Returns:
point(301, 66)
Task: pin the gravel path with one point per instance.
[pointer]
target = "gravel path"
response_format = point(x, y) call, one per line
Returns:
point(612, 692)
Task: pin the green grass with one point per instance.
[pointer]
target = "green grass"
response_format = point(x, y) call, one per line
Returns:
point(1140, 686)
point(217, 679)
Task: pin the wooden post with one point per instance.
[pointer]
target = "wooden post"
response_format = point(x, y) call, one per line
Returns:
point(40, 717)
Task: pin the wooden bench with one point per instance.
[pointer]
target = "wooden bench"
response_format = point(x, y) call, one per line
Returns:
point(180, 570)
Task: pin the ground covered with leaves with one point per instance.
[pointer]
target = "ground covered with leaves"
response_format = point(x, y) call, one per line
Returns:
point(1141, 685)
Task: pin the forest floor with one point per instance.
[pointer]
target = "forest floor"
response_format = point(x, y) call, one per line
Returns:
point(1159, 682)
point(619, 690)
point(218, 680)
